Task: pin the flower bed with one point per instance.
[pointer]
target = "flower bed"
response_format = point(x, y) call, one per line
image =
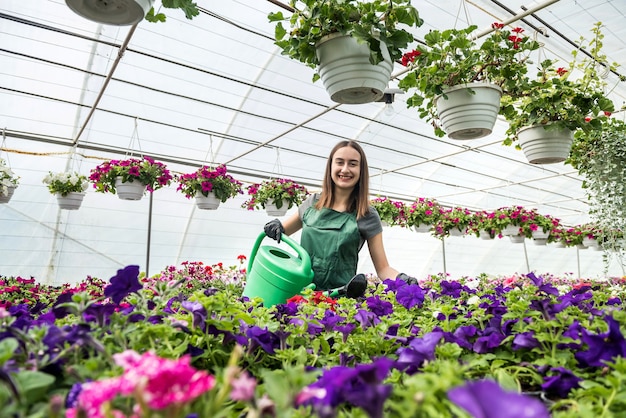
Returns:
point(183, 343)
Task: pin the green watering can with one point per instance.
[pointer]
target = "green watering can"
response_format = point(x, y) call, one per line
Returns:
point(276, 275)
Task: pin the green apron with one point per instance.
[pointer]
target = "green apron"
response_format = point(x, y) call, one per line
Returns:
point(332, 240)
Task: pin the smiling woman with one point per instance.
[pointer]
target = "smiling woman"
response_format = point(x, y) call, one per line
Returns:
point(336, 223)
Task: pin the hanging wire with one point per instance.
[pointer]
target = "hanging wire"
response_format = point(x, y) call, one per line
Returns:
point(209, 153)
point(463, 6)
point(131, 143)
point(277, 168)
point(380, 185)
point(3, 147)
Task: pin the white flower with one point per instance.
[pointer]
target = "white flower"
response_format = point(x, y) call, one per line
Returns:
point(473, 300)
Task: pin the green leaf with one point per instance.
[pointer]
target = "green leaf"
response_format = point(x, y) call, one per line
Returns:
point(33, 385)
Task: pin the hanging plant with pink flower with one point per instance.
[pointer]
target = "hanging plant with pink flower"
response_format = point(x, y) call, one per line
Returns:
point(153, 174)
point(206, 180)
point(278, 191)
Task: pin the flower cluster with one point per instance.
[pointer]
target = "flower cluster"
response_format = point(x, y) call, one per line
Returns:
point(422, 211)
point(279, 191)
point(391, 212)
point(7, 178)
point(456, 218)
point(156, 383)
point(146, 171)
point(205, 180)
point(459, 334)
point(66, 183)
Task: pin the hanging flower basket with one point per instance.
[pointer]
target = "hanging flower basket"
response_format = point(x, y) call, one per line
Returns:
point(544, 145)
point(71, 201)
point(517, 239)
point(280, 193)
point(127, 178)
point(7, 194)
point(469, 111)
point(208, 202)
point(209, 186)
point(129, 190)
point(68, 187)
point(8, 182)
point(347, 73)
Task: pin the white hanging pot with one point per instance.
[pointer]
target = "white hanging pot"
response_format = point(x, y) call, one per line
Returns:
point(509, 230)
point(545, 146)
point(273, 210)
point(469, 111)
point(590, 242)
point(346, 71)
point(7, 197)
point(517, 239)
point(540, 234)
point(484, 234)
point(72, 201)
point(540, 241)
point(131, 190)
point(209, 202)
point(111, 12)
point(421, 228)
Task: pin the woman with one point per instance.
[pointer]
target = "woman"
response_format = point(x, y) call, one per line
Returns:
point(336, 223)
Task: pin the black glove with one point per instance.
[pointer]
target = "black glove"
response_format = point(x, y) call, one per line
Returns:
point(408, 279)
point(274, 229)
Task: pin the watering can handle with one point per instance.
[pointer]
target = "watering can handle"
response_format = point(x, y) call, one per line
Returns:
point(302, 254)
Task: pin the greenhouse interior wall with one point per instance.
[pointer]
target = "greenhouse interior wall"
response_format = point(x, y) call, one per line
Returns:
point(216, 90)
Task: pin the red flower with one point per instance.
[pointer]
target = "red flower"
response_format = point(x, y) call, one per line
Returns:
point(561, 71)
point(410, 57)
point(497, 25)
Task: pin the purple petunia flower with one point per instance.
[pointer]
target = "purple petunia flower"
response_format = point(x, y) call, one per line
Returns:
point(561, 383)
point(124, 283)
point(366, 319)
point(378, 306)
point(603, 347)
point(486, 399)
point(410, 296)
point(411, 358)
point(197, 311)
point(263, 338)
point(524, 340)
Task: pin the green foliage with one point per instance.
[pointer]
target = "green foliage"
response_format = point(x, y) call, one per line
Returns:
point(558, 100)
point(189, 7)
point(279, 191)
point(373, 22)
point(454, 57)
point(390, 212)
point(152, 174)
point(206, 180)
point(65, 183)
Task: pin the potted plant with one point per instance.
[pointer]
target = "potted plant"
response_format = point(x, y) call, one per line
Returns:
point(391, 212)
point(325, 34)
point(549, 108)
point(69, 188)
point(128, 12)
point(538, 226)
point(422, 214)
point(8, 182)
point(453, 222)
point(209, 186)
point(599, 156)
point(481, 225)
point(452, 73)
point(276, 196)
point(130, 178)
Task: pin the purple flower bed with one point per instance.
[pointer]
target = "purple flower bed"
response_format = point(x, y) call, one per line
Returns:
point(184, 343)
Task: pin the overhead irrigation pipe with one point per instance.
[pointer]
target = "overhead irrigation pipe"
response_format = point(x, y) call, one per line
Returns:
point(120, 54)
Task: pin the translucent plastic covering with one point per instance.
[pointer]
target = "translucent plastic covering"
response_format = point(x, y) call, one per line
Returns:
point(216, 90)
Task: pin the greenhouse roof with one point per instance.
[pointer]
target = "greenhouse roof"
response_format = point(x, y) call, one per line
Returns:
point(216, 90)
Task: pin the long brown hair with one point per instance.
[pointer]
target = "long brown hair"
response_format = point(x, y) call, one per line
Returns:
point(359, 200)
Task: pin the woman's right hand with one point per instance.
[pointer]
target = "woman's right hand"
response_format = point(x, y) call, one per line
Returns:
point(274, 229)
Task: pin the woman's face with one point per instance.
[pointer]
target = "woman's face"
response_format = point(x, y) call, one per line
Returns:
point(346, 167)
